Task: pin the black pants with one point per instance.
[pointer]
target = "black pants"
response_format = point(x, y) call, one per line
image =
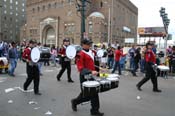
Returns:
point(150, 74)
point(65, 65)
point(94, 99)
point(32, 74)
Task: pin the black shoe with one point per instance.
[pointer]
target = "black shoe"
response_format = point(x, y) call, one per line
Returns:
point(157, 90)
point(139, 88)
point(58, 79)
point(70, 81)
point(97, 114)
point(38, 93)
point(74, 106)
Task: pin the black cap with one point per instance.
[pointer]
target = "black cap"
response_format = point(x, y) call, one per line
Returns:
point(86, 41)
point(149, 44)
point(31, 41)
point(66, 40)
point(13, 43)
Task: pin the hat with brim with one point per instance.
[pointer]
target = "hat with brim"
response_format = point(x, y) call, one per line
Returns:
point(66, 40)
point(31, 42)
point(86, 41)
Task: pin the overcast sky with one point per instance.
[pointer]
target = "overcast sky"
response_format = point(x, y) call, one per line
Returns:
point(149, 13)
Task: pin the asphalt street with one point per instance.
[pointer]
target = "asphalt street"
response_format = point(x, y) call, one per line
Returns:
point(56, 96)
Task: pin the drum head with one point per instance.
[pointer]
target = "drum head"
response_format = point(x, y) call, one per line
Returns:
point(100, 53)
point(113, 75)
point(91, 84)
point(112, 79)
point(35, 55)
point(163, 68)
point(70, 52)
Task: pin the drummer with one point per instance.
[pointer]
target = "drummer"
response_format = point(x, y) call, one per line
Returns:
point(32, 70)
point(150, 61)
point(65, 61)
point(85, 65)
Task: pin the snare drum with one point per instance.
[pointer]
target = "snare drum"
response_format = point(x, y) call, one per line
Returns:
point(113, 75)
point(90, 88)
point(105, 85)
point(114, 82)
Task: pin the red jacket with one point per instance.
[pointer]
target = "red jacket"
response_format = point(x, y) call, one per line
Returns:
point(26, 54)
point(62, 51)
point(85, 60)
point(150, 56)
point(118, 55)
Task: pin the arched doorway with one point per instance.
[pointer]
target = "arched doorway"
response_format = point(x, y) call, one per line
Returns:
point(49, 36)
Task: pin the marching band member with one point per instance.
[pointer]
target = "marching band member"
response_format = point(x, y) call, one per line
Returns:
point(85, 65)
point(150, 60)
point(32, 70)
point(65, 62)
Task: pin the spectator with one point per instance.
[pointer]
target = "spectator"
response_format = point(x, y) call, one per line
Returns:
point(12, 57)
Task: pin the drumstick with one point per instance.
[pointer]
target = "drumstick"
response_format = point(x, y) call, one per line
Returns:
point(104, 69)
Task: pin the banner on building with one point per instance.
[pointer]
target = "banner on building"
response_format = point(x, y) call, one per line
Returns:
point(151, 32)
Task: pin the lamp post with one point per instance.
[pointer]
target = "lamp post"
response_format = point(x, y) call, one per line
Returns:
point(81, 7)
point(0, 20)
point(166, 23)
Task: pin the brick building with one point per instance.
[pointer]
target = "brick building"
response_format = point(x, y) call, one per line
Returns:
point(50, 21)
point(12, 17)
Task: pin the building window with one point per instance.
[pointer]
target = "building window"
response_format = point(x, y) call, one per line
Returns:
point(11, 1)
point(90, 27)
point(5, 18)
point(38, 8)
point(49, 6)
point(5, 12)
point(44, 7)
point(33, 10)
point(11, 7)
point(16, 2)
point(55, 5)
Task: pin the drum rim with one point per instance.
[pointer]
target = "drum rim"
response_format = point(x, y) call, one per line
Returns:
point(112, 79)
point(85, 85)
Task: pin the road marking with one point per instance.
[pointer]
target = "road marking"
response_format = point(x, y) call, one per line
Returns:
point(48, 70)
point(24, 74)
point(48, 113)
point(9, 90)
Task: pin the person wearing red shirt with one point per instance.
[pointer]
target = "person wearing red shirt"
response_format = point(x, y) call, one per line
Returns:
point(150, 61)
point(118, 54)
point(85, 66)
point(65, 62)
point(32, 70)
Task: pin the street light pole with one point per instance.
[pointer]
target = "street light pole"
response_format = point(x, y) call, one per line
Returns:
point(166, 23)
point(81, 7)
point(83, 28)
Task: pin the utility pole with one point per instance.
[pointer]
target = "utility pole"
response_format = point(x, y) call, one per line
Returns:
point(83, 28)
point(81, 7)
point(1, 20)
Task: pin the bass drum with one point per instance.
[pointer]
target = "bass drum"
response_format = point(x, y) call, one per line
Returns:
point(35, 55)
point(40, 55)
point(44, 54)
point(72, 50)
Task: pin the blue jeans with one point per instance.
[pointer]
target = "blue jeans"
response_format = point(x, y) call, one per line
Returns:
point(132, 63)
point(142, 65)
point(39, 67)
point(110, 62)
point(13, 64)
point(117, 65)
